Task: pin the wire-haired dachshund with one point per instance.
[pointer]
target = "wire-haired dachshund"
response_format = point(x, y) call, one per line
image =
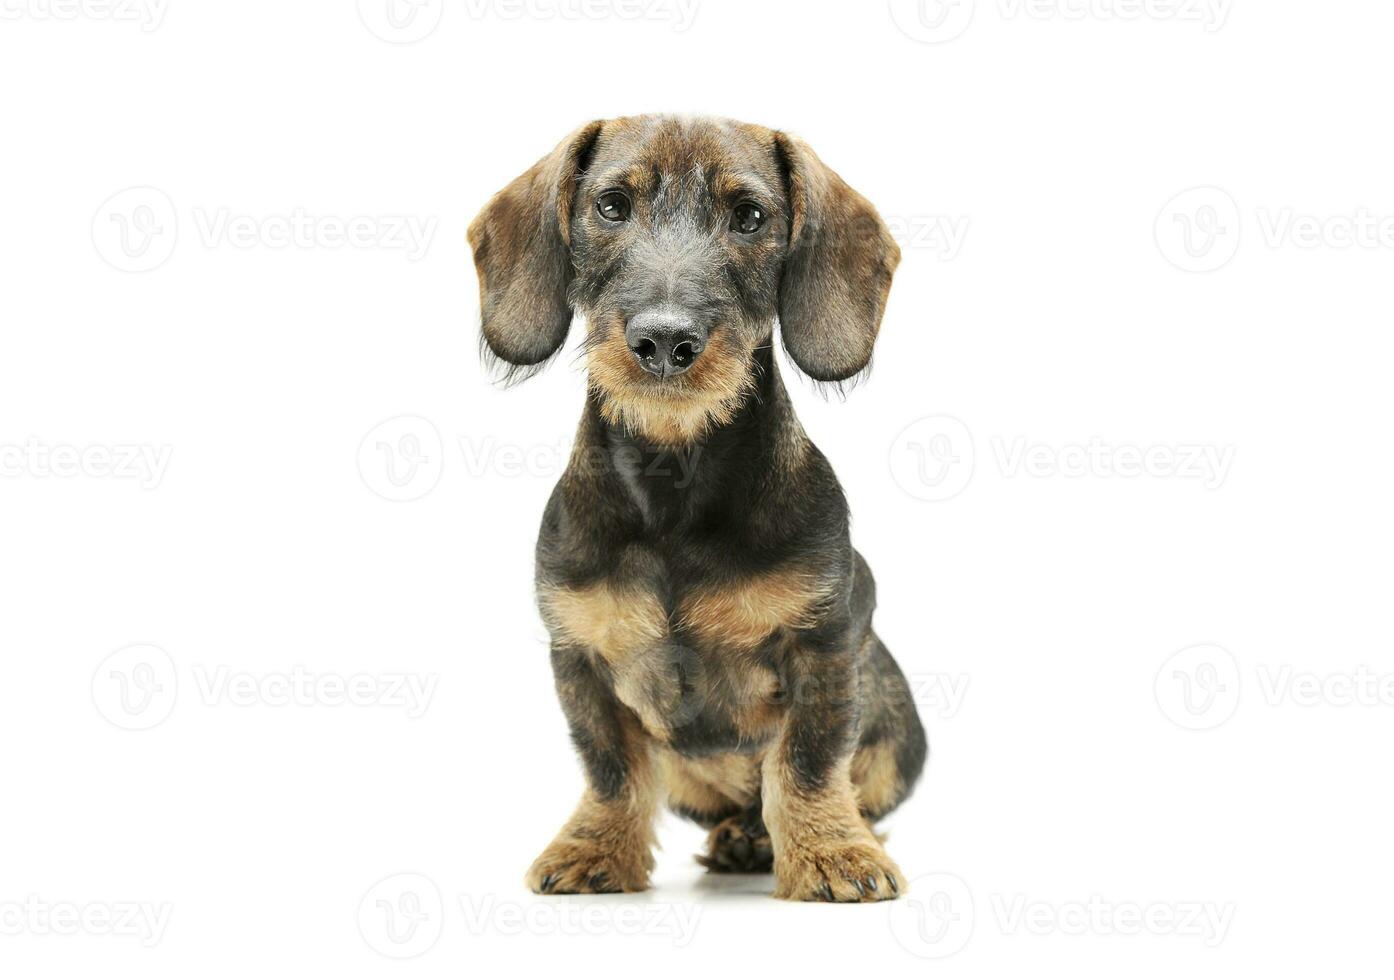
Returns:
point(710, 620)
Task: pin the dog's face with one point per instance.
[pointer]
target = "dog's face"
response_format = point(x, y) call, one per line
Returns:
point(682, 241)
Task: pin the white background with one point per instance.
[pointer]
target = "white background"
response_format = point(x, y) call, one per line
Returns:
point(1069, 603)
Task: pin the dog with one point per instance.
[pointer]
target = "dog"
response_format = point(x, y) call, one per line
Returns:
point(710, 622)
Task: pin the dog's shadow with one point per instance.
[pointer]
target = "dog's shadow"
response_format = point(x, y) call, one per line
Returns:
point(722, 885)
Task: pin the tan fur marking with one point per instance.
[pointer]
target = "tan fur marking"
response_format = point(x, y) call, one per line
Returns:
point(711, 785)
point(607, 845)
point(616, 623)
point(876, 777)
point(746, 612)
point(675, 412)
point(823, 849)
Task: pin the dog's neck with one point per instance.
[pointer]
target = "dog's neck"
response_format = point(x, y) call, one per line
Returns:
point(711, 476)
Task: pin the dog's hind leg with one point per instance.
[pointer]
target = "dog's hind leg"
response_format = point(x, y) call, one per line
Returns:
point(891, 746)
point(740, 843)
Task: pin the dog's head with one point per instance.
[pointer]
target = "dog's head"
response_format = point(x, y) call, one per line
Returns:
point(681, 241)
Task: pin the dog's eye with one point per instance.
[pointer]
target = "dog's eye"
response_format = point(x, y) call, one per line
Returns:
point(748, 218)
point(613, 206)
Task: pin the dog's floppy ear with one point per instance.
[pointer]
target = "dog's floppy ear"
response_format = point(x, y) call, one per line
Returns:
point(838, 270)
point(521, 243)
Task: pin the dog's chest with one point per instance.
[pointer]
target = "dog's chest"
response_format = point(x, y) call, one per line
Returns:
point(699, 665)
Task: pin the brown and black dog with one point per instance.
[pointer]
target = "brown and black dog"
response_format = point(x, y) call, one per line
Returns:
point(710, 620)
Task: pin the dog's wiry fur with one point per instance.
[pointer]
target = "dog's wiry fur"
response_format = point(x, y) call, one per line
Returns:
point(710, 621)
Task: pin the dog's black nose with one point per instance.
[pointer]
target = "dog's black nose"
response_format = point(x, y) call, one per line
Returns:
point(666, 343)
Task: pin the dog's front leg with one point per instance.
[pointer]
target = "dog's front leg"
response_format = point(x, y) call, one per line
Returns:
point(823, 849)
point(607, 845)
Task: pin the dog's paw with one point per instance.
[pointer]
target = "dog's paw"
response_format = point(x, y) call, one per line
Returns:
point(732, 846)
point(577, 866)
point(838, 871)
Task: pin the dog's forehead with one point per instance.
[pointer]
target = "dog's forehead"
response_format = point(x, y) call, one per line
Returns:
point(680, 145)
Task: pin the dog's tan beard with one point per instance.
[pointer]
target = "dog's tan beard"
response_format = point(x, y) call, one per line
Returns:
point(680, 410)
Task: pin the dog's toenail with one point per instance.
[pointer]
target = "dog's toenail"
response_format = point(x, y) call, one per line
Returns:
point(871, 882)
